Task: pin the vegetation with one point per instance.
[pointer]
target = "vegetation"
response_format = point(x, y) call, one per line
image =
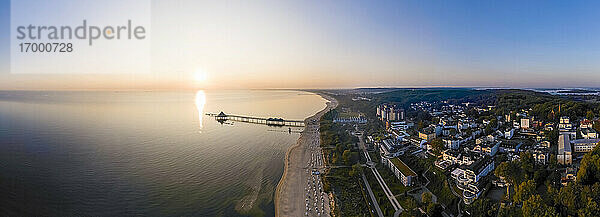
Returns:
point(482, 207)
point(404, 97)
point(537, 189)
point(339, 149)
point(576, 199)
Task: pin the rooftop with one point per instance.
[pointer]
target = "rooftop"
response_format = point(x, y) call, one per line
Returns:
point(564, 144)
point(402, 167)
point(479, 164)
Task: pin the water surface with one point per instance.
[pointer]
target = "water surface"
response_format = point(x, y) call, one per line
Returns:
point(143, 153)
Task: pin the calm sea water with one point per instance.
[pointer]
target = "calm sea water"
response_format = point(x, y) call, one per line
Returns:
point(143, 153)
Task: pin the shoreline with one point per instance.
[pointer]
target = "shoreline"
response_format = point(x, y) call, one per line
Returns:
point(287, 202)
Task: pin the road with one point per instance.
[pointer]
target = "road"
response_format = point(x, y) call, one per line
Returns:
point(457, 195)
point(375, 204)
point(378, 177)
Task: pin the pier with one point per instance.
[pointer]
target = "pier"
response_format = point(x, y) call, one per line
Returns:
point(221, 117)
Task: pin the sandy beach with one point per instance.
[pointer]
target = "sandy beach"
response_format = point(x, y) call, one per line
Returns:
point(291, 197)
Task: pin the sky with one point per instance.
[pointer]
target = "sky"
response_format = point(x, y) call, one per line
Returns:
point(346, 44)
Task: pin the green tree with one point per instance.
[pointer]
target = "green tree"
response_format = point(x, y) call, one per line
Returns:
point(524, 191)
point(482, 207)
point(553, 161)
point(426, 197)
point(534, 206)
point(356, 170)
point(589, 170)
point(339, 147)
point(591, 209)
point(568, 196)
point(527, 163)
point(437, 145)
point(590, 115)
point(335, 159)
point(434, 209)
point(509, 171)
point(346, 156)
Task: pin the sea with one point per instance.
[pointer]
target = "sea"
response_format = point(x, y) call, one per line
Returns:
point(144, 153)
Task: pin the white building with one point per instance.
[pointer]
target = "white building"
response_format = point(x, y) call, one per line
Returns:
point(468, 178)
point(525, 123)
point(509, 133)
point(565, 124)
point(589, 133)
point(584, 145)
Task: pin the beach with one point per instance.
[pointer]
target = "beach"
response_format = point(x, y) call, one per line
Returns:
point(290, 195)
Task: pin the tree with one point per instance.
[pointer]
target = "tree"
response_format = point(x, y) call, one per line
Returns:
point(356, 170)
point(438, 146)
point(534, 206)
point(339, 147)
point(527, 162)
point(482, 207)
point(553, 161)
point(524, 191)
point(347, 155)
point(589, 170)
point(591, 209)
point(434, 209)
point(426, 197)
point(509, 171)
point(590, 115)
point(568, 196)
point(335, 159)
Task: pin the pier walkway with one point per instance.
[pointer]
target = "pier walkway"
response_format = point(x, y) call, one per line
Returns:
point(257, 120)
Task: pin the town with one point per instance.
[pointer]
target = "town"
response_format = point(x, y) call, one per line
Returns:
point(466, 157)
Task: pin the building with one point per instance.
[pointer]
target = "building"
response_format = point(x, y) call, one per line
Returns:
point(468, 158)
point(451, 156)
point(401, 125)
point(387, 112)
point(510, 146)
point(565, 124)
point(541, 155)
point(452, 143)
point(479, 169)
point(586, 124)
point(489, 148)
point(584, 145)
point(509, 133)
point(406, 175)
point(389, 147)
point(427, 134)
point(525, 123)
point(359, 119)
point(588, 133)
point(469, 178)
point(568, 176)
point(564, 150)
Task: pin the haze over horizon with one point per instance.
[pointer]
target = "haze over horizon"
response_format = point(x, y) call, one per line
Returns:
point(348, 44)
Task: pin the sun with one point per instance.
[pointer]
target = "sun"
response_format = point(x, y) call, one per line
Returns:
point(200, 76)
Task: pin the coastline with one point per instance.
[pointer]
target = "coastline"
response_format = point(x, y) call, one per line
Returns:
point(289, 195)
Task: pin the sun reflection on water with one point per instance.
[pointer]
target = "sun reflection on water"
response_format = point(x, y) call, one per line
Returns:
point(200, 101)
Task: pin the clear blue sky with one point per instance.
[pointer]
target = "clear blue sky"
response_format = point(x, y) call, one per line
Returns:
point(401, 43)
point(4, 36)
